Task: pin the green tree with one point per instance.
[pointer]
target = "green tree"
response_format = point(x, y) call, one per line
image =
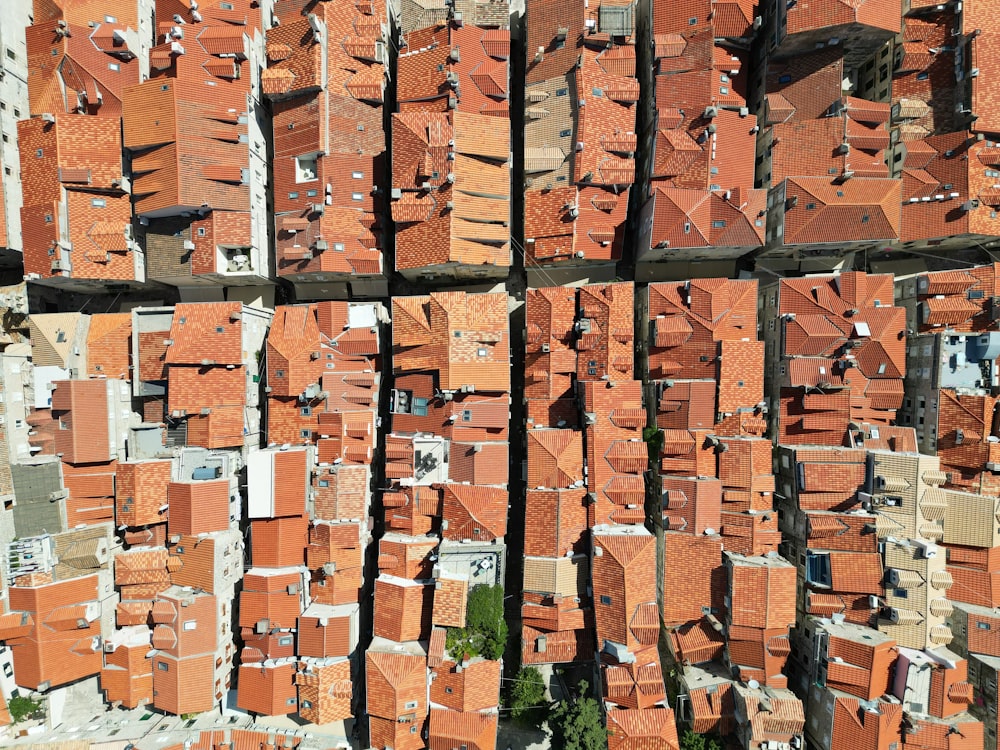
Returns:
point(692, 741)
point(576, 724)
point(21, 707)
point(526, 694)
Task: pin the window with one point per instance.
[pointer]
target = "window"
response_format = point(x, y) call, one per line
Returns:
point(605, 599)
point(293, 196)
point(865, 219)
point(60, 337)
point(11, 54)
point(719, 224)
point(592, 367)
point(201, 231)
point(110, 19)
point(565, 133)
point(305, 168)
point(482, 352)
point(338, 246)
point(311, 193)
point(39, 153)
point(692, 22)
point(810, 206)
point(983, 625)
point(226, 6)
point(785, 79)
point(923, 76)
point(279, 373)
point(162, 666)
point(900, 593)
point(191, 625)
point(449, 690)
point(220, 329)
point(305, 433)
point(179, 550)
point(687, 227)
point(466, 415)
point(290, 702)
point(285, 640)
point(358, 175)
point(562, 92)
point(98, 202)
point(324, 482)
point(410, 705)
point(597, 92)
point(306, 411)
point(357, 196)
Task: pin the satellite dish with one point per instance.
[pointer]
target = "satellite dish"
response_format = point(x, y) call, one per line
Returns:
point(753, 684)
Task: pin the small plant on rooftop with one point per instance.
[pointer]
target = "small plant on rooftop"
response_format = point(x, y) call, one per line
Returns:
point(22, 707)
point(485, 631)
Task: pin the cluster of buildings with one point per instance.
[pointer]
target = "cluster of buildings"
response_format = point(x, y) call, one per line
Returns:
point(762, 508)
point(154, 549)
point(589, 591)
point(433, 667)
point(580, 139)
point(834, 588)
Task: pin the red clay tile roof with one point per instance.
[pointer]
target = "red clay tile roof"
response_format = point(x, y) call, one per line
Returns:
point(403, 608)
point(81, 408)
point(636, 686)
point(696, 643)
point(859, 210)
point(448, 729)
point(625, 588)
point(761, 591)
point(109, 341)
point(209, 331)
point(474, 686)
point(474, 512)
point(393, 680)
point(424, 338)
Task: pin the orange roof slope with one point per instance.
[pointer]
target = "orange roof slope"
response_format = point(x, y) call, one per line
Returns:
point(56, 639)
point(451, 173)
point(81, 408)
point(198, 507)
point(465, 337)
point(625, 588)
point(71, 172)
